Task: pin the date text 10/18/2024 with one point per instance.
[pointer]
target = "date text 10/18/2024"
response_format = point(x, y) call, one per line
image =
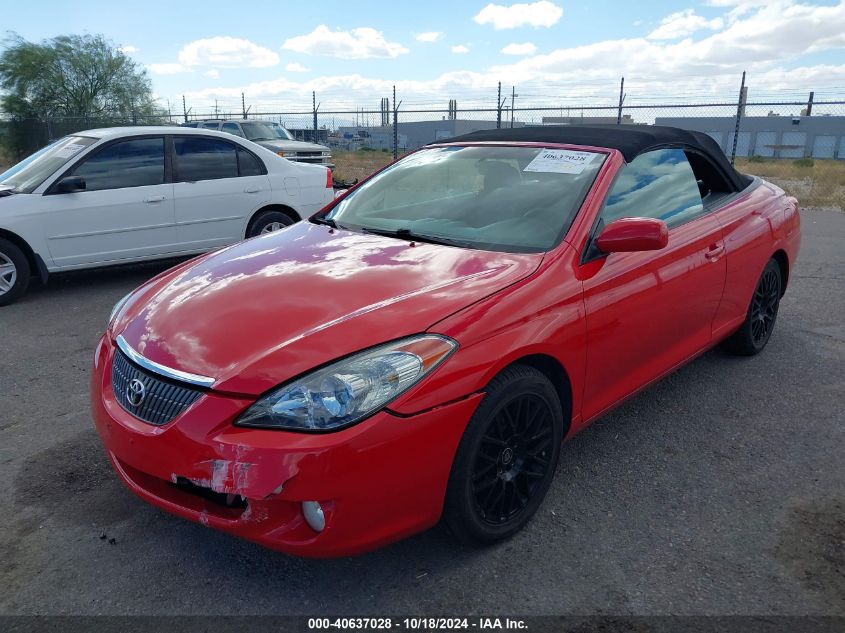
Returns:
point(420, 623)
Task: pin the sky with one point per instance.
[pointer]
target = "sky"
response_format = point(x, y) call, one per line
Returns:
point(352, 53)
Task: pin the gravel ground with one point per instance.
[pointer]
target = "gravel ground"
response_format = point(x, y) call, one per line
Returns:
point(720, 490)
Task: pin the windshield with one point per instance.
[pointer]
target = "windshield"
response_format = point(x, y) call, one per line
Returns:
point(259, 131)
point(28, 174)
point(514, 199)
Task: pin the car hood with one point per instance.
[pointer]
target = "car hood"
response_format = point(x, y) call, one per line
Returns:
point(265, 310)
point(293, 146)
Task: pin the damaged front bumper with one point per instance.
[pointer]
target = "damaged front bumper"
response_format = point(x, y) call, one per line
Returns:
point(376, 482)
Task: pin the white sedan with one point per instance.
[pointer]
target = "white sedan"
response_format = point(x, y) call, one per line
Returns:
point(130, 194)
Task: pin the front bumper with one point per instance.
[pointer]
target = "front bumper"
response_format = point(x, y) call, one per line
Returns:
point(378, 481)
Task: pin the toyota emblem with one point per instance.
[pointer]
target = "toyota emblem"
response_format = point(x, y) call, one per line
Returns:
point(135, 392)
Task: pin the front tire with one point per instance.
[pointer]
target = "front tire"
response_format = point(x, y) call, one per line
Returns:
point(269, 222)
point(755, 332)
point(14, 272)
point(506, 459)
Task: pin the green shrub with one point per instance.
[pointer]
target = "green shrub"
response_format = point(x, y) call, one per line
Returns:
point(803, 162)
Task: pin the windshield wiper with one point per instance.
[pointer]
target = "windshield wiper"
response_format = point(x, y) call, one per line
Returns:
point(325, 220)
point(408, 234)
point(263, 138)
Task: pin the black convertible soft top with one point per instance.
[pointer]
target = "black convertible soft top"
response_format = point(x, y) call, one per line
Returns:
point(630, 140)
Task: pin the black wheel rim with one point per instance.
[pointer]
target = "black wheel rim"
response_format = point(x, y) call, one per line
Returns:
point(513, 459)
point(764, 307)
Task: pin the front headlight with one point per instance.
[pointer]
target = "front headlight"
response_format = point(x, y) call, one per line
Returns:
point(349, 390)
point(117, 307)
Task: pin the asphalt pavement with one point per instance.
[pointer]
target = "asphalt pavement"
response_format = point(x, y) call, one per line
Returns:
point(720, 490)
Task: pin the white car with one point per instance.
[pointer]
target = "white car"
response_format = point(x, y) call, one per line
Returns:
point(130, 194)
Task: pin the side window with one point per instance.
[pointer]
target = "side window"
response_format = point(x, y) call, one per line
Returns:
point(248, 164)
point(658, 184)
point(211, 126)
point(132, 163)
point(203, 158)
point(232, 128)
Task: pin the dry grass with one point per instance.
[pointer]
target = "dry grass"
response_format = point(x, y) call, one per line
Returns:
point(359, 164)
point(815, 182)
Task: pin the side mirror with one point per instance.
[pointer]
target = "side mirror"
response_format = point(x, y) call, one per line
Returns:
point(71, 184)
point(628, 235)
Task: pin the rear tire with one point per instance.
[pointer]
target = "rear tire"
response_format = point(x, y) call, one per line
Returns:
point(754, 333)
point(506, 459)
point(14, 272)
point(269, 222)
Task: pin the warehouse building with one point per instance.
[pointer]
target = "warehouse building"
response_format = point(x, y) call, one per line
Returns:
point(414, 134)
point(772, 136)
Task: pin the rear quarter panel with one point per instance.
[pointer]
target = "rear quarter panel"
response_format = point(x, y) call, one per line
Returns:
point(754, 226)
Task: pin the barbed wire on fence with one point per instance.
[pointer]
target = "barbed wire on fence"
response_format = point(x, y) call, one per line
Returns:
point(776, 124)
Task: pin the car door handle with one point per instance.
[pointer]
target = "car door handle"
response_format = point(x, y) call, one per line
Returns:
point(715, 251)
point(252, 190)
point(154, 199)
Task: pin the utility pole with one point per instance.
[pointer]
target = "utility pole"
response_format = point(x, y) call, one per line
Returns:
point(621, 99)
point(499, 107)
point(739, 108)
point(184, 109)
point(810, 104)
point(243, 105)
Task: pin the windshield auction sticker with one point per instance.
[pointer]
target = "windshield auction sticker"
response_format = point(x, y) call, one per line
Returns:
point(560, 161)
point(68, 150)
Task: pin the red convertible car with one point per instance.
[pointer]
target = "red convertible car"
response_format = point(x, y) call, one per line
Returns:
point(420, 348)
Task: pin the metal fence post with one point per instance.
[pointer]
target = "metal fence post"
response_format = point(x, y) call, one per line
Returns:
point(395, 126)
point(314, 104)
point(739, 108)
point(499, 107)
point(621, 98)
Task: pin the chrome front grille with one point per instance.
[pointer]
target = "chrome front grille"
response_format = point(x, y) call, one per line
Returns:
point(147, 396)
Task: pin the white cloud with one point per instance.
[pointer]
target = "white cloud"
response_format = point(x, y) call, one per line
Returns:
point(536, 14)
point(769, 41)
point(770, 34)
point(683, 23)
point(213, 73)
point(430, 36)
point(520, 49)
point(360, 43)
point(460, 49)
point(227, 52)
point(128, 50)
point(296, 67)
point(166, 69)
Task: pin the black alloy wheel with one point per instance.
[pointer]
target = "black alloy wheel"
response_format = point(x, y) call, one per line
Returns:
point(764, 306)
point(507, 457)
point(754, 333)
point(513, 458)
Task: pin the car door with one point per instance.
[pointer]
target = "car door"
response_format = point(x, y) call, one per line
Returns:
point(218, 185)
point(646, 312)
point(125, 212)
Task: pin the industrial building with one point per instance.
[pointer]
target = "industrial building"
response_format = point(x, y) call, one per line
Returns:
point(414, 134)
point(773, 136)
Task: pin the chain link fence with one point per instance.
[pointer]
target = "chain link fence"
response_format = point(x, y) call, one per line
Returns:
point(796, 141)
